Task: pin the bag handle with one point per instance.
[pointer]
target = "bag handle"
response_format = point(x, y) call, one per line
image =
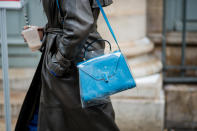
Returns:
point(86, 48)
point(106, 20)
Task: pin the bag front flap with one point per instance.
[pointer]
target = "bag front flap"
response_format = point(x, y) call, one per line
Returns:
point(102, 67)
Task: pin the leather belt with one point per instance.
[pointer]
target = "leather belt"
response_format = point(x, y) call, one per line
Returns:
point(54, 30)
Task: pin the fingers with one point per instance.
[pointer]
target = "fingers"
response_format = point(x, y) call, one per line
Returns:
point(26, 27)
point(29, 26)
point(40, 31)
point(40, 28)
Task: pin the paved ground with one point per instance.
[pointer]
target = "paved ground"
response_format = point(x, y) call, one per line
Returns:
point(2, 124)
point(16, 100)
point(15, 96)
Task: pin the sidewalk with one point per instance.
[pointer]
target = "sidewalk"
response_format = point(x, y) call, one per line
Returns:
point(2, 124)
point(16, 99)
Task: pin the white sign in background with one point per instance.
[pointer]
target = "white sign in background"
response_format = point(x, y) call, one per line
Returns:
point(11, 4)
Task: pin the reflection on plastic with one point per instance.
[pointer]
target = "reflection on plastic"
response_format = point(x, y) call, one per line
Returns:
point(93, 54)
point(103, 76)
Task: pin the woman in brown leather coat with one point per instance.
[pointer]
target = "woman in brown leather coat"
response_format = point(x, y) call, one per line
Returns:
point(54, 91)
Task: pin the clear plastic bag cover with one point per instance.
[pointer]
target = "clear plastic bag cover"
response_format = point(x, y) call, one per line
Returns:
point(103, 76)
point(97, 101)
point(94, 53)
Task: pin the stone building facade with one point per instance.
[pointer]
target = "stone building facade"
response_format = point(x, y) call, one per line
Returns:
point(180, 108)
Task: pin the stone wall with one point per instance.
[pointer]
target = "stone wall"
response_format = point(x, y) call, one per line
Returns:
point(128, 19)
point(181, 109)
point(154, 16)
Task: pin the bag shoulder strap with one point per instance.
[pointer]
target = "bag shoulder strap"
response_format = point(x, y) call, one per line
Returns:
point(107, 22)
point(61, 13)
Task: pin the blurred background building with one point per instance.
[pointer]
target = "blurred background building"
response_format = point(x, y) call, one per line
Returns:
point(159, 38)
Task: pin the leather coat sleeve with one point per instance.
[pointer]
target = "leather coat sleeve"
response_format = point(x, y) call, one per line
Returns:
point(77, 24)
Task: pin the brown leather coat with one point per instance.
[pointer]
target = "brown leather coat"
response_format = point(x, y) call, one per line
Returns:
point(54, 89)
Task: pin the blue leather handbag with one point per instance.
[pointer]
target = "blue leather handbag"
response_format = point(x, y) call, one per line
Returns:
point(104, 75)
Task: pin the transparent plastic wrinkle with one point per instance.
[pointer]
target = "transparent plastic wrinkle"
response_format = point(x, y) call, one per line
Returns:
point(95, 102)
point(94, 53)
point(32, 37)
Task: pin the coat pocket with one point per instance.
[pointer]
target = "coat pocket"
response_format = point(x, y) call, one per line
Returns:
point(103, 3)
point(57, 64)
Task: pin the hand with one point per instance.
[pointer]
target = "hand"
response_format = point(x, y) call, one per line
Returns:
point(40, 31)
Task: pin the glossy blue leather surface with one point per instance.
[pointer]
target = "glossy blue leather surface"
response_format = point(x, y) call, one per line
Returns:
point(104, 75)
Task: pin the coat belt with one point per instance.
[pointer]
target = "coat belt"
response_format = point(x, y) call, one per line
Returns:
point(54, 30)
